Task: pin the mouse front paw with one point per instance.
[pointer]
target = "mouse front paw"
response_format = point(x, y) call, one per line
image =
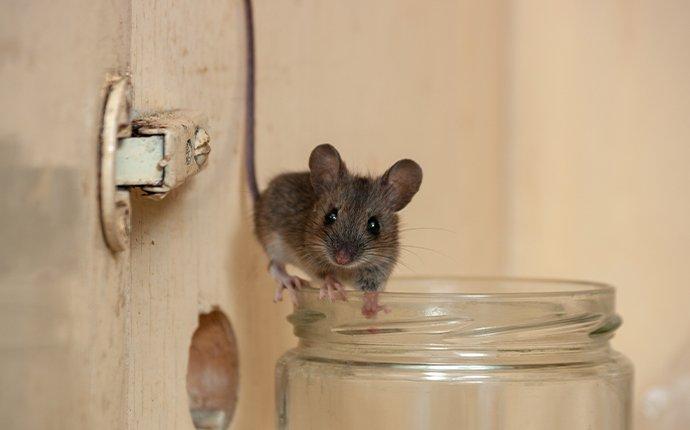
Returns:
point(371, 306)
point(287, 282)
point(332, 289)
point(292, 284)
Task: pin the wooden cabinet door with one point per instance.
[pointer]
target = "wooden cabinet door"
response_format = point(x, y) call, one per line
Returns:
point(63, 295)
point(95, 340)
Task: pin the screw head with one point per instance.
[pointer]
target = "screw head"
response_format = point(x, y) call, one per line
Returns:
point(202, 147)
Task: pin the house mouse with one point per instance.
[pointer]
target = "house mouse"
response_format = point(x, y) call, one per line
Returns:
point(340, 228)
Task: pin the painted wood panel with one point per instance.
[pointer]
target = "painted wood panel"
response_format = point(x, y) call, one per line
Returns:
point(63, 296)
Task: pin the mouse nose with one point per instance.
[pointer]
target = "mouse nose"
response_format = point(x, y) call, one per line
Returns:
point(345, 253)
point(342, 257)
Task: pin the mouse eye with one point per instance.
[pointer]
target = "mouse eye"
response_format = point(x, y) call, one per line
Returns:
point(373, 226)
point(331, 217)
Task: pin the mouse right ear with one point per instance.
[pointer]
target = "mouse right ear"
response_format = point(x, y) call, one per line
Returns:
point(326, 167)
point(402, 181)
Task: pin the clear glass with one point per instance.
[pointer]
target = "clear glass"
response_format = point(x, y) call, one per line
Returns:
point(512, 354)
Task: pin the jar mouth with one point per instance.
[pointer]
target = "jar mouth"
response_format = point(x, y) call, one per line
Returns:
point(460, 319)
point(487, 287)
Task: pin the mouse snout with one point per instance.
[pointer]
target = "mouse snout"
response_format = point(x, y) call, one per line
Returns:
point(345, 254)
point(342, 257)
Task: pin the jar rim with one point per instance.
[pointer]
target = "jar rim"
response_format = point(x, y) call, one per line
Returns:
point(489, 319)
point(488, 287)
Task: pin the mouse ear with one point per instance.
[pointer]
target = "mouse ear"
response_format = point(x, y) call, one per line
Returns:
point(401, 182)
point(326, 167)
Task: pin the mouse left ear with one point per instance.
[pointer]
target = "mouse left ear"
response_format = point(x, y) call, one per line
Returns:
point(326, 167)
point(402, 181)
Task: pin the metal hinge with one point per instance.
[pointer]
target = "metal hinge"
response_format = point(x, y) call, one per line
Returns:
point(155, 154)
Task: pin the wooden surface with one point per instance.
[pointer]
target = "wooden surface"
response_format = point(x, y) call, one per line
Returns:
point(195, 249)
point(63, 296)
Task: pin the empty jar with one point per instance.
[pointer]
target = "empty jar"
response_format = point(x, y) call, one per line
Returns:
point(458, 354)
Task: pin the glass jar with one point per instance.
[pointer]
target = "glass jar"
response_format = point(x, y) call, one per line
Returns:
point(512, 354)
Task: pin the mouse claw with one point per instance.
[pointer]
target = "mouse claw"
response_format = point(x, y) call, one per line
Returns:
point(286, 282)
point(278, 295)
point(292, 288)
point(332, 289)
point(371, 306)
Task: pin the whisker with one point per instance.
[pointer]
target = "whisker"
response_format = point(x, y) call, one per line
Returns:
point(444, 230)
point(429, 250)
point(412, 253)
point(401, 262)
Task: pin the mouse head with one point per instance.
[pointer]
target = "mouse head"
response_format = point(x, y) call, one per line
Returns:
point(354, 221)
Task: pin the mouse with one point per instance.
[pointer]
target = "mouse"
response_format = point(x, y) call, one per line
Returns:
point(339, 227)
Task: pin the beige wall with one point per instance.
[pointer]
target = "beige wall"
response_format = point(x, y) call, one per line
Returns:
point(553, 136)
point(394, 79)
point(379, 80)
point(599, 161)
